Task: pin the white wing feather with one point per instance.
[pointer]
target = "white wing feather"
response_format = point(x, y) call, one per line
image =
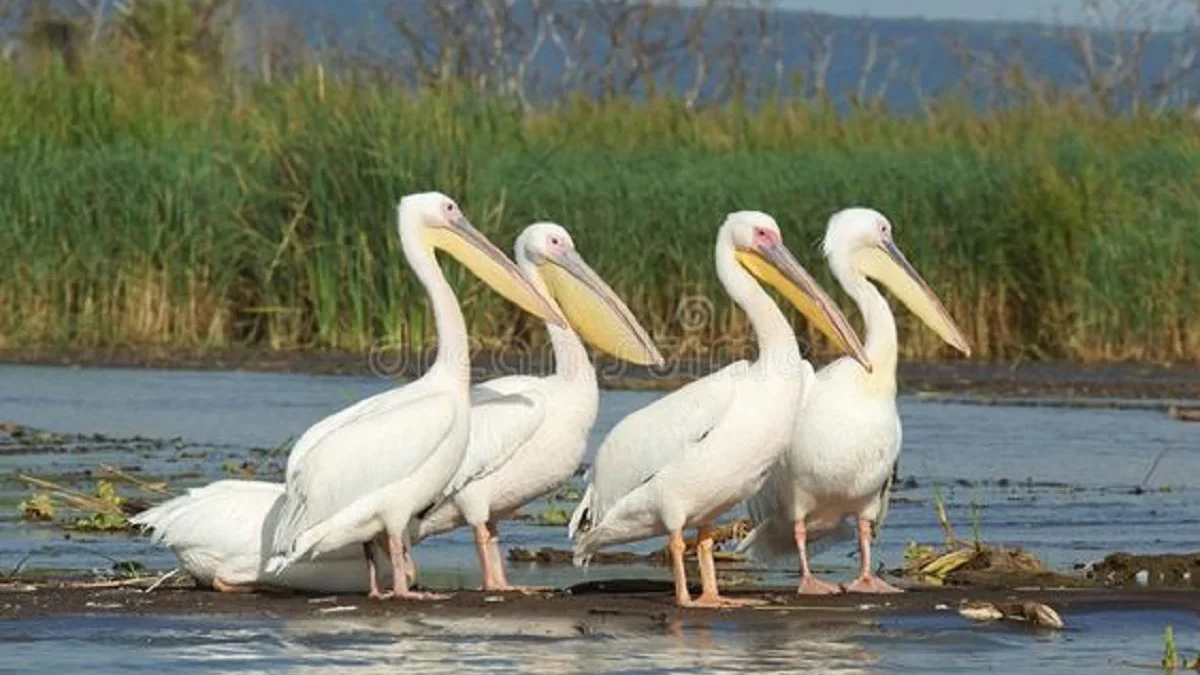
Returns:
point(650, 438)
point(505, 414)
point(226, 517)
point(379, 445)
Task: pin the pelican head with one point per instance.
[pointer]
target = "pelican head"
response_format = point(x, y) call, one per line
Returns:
point(548, 256)
point(436, 221)
point(860, 239)
point(758, 247)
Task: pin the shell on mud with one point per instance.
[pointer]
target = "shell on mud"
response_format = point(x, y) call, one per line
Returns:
point(977, 610)
point(1036, 613)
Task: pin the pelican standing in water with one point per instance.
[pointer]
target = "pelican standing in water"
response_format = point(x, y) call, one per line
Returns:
point(847, 437)
point(517, 455)
point(693, 454)
point(358, 476)
point(221, 533)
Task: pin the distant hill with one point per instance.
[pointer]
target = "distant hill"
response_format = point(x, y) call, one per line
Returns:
point(913, 55)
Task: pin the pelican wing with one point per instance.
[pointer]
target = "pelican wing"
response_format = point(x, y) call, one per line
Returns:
point(313, 436)
point(381, 444)
point(650, 438)
point(505, 414)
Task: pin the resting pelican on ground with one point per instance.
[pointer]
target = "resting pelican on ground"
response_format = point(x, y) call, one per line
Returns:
point(847, 437)
point(222, 532)
point(360, 474)
point(515, 456)
point(693, 454)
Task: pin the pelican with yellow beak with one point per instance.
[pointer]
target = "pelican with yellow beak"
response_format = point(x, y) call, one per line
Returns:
point(847, 437)
point(361, 474)
point(519, 453)
point(690, 456)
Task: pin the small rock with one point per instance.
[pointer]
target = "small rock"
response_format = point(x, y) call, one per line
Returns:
point(337, 610)
point(1142, 577)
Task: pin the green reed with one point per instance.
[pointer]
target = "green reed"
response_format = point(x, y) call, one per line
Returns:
point(204, 214)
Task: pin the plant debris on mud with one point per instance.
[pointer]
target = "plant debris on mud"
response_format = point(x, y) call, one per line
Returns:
point(1162, 570)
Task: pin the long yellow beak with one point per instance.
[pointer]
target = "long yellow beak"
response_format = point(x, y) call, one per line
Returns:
point(778, 267)
point(887, 265)
point(468, 245)
point(595, 311)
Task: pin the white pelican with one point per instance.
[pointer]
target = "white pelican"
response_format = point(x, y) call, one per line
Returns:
point(363, 472)
point(222, 532)
point(847, 437)
point(693, 454)
point(515, 456)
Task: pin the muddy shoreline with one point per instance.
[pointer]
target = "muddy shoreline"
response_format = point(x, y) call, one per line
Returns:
point(1033, 380)
point(648, 603)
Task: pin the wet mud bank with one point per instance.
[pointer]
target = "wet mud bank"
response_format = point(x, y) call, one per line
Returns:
point(648, 603)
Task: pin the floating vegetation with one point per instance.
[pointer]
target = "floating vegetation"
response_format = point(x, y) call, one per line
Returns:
point(557, 556)
point(1184, 413)
point(23, 435)
point(37, 507)
point(244, 469)
point(566, 493)
point(129, 569)
point(975, 563)
point(104, 511)
point(553, 516)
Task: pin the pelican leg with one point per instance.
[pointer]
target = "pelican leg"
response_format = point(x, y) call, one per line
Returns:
point(867, 582)
point(223, 587)
point(497, 560)
point(375, 593)
point(676, 546)
point(500, 577)
point(410, 568)
point(809, 583)
point(710, 595)
point(401, 559)
point(483, 549)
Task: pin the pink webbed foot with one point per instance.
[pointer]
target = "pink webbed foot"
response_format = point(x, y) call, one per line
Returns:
point(810, 585)
point(223, 587)
point(722, 601)
point(871, 584)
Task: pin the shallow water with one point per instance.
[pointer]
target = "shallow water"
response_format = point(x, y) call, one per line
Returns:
point(1057, 481)
point(941, 642)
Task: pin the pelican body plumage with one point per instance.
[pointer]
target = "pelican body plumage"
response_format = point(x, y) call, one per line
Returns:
point(846, 441)
point(221, 534)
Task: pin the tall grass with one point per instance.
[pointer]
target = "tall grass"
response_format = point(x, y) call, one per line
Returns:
point(137, 212)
